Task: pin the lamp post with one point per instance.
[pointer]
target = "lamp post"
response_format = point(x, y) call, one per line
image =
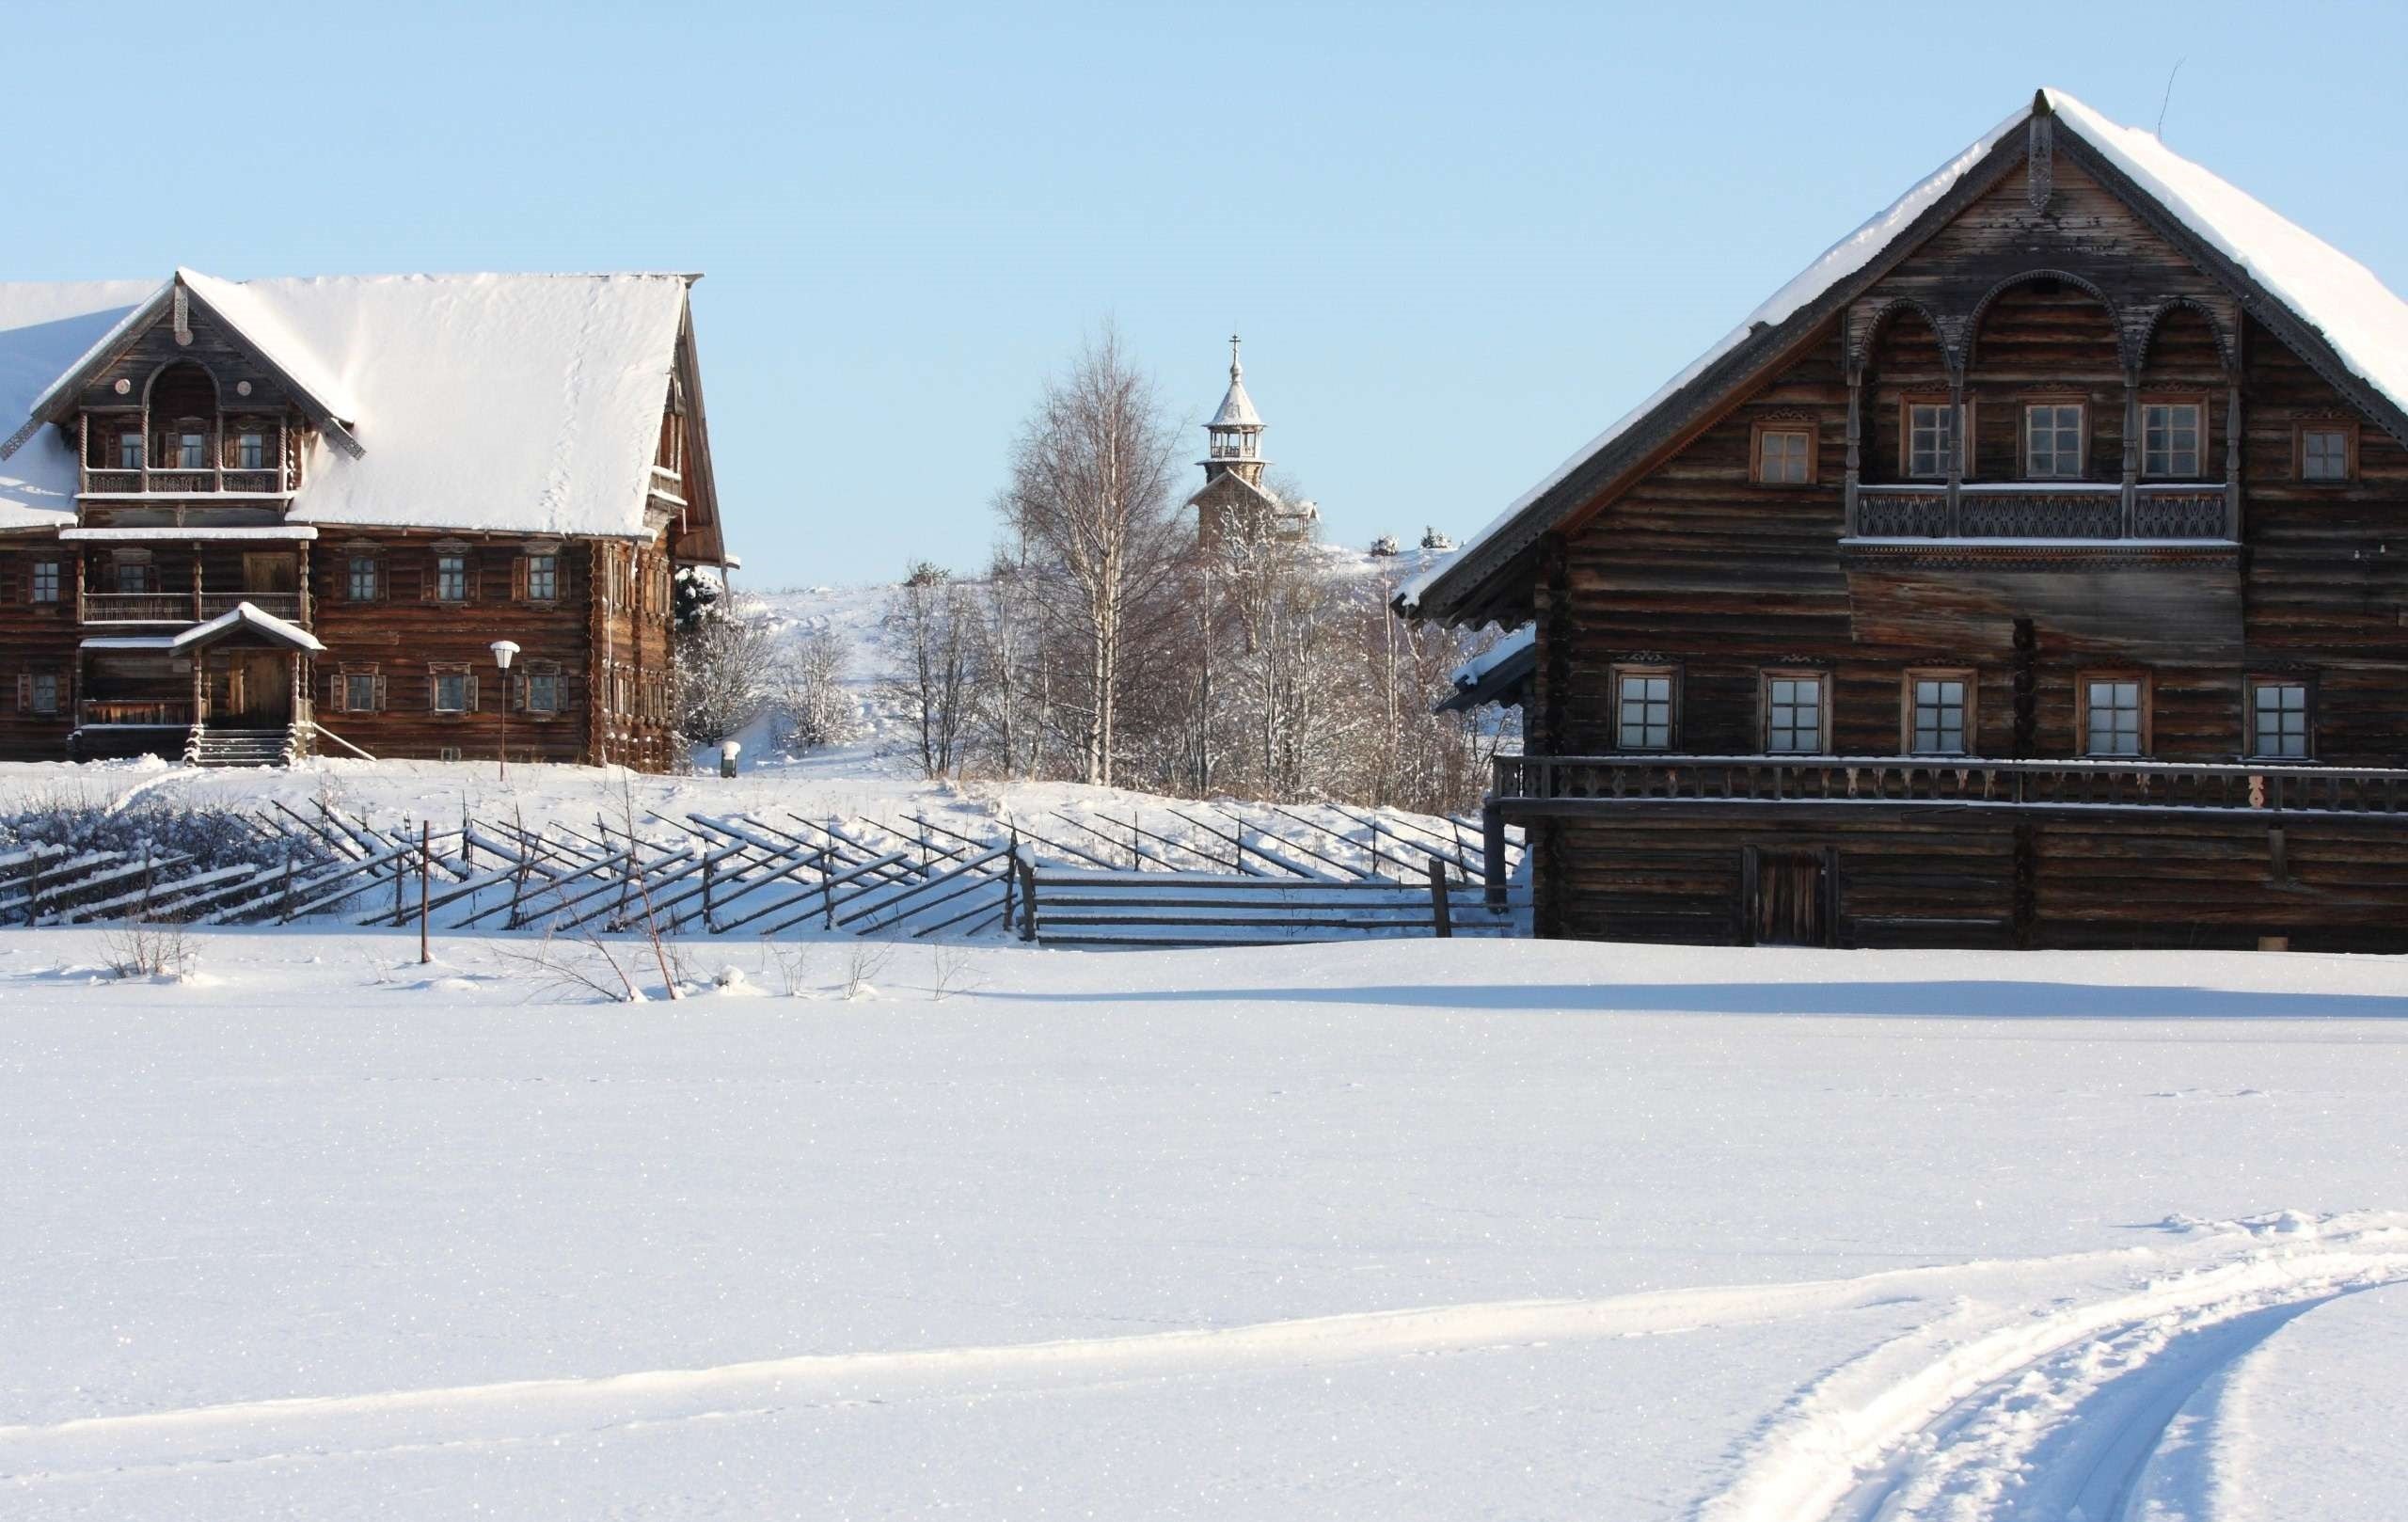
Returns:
point(503, 651)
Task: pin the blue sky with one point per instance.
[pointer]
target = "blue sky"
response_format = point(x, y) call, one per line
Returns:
point(1459, 241)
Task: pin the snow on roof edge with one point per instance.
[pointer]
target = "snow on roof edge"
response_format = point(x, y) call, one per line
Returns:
point(2315, 281)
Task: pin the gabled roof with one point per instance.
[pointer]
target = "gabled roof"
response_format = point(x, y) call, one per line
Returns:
point(246, 619)
point(1230, 480)
point(2318, 297)
point(1500, 674)
point(522, 403)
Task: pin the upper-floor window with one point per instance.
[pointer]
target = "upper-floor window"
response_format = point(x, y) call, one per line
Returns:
point(451, 577)
point(1643, 709)
point(250, 451)
point(1940, 709)
point(1931, 438)
point(2052, 436)
point(45, 586)
point(2278, 719)
point(2170, 439)
point(2328, 451)
point(1794, 710)
point(134, 575)
point(359, 578)
point(1784, 454)
point(192, 451)
point(2115, 714)
point(129, 452)
point(543, 578)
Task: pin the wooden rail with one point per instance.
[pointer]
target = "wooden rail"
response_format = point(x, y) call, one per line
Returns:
point(1544, 782)
point(2066, 510)
point(182, 607)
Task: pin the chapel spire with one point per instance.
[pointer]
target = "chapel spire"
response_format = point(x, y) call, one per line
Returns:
point(1235, 432)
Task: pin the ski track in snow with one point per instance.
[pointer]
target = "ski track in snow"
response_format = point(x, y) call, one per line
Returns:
point(1998, 1413)
point(2044, 1397)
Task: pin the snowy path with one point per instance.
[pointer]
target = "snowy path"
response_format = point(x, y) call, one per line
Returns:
point(2053, 1412)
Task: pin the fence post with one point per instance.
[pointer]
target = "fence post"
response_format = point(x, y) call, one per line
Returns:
point(1492, 851)
point(1028, 900)
point(1011, 879)
point(828, 886)
point(400, 875)
point(284, 915)
point(708, 927)
point(1441, 912)
point(426, 870)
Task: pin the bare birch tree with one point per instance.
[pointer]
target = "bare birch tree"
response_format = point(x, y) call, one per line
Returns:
point(934, 617)
point(1091, 495)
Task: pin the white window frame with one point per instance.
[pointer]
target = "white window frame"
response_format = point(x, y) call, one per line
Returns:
point(129, 452)
point(192, 451)
point(545, 565)
point(250, 451)
point(352, 683)
point(435, 691)
point(2057, 467)
point(2114, 682)
point(1650, 698)
point(1947, 426)
point(2295, 723)
point(1781, 694)
point(46, 582)
point(452, 576)
point(354, 567)
point(1939, 678)
point(2165, 461)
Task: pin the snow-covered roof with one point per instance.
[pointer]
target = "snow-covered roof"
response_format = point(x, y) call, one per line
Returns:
point(1237, 408)
point(245, 616)
point(2362, 319)
point(284, 534)
point(506, 403)
point(1496, 673)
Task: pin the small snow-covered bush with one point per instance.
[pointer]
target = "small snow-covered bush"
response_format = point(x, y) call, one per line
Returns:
point(815, 709)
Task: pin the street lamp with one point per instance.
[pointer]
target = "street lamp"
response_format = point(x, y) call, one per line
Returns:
point(503, 651)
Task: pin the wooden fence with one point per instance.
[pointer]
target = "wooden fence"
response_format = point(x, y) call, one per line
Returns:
point(1222, 874)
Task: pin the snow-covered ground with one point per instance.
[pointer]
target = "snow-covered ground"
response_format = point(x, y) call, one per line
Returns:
point(1409, 1230)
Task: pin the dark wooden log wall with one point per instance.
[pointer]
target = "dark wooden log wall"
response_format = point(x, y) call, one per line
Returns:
point(1939, 877)
point(35, 636)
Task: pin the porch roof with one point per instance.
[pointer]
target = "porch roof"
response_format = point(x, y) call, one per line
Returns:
point(246, 619)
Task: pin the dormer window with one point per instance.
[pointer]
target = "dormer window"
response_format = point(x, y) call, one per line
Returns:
point(2052, 438)
point(129, 452)
point(250, 453)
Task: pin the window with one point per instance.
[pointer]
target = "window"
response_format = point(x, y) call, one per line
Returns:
point(192, 451)
point(2328, 451)
point(129, 452)
point(454, 689)
point(43, 694)
point(2278, 719)
point(543, 578)
point(1643, 710)
point(2115, 715)
point(1930, 439)
point(2170, 439)
point(1784, 454)
point(359, 691)
point(542, 692)
point(451, 577)
point(132, 576)
point(359, 578)
point(1940, 708)
point(250, 453)
point(1793, 713)
point(45, 586)
point(2053, 441)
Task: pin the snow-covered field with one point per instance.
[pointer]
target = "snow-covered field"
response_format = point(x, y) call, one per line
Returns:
point(1420, 1229)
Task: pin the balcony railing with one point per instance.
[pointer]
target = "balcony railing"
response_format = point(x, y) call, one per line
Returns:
point(182, 607)
point(1576, 782)
point(200, 481)
point(2070, 510)
point(154, 712)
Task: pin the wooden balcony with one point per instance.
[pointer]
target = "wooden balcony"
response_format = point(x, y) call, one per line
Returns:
point(1539, 784)
point(2070, 510)
point(183, 606)
point(205, 481)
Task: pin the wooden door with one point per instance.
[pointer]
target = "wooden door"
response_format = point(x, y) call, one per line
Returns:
point(1791, 893)
point(260, 687)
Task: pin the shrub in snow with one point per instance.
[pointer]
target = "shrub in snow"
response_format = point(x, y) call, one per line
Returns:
point(722, 666)
point(807, 689)
point(1383, 546)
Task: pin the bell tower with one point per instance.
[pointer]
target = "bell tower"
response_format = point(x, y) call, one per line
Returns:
point(1235, 432)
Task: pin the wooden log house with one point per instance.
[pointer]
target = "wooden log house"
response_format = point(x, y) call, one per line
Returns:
point(245, 521)
point(2032, 571)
